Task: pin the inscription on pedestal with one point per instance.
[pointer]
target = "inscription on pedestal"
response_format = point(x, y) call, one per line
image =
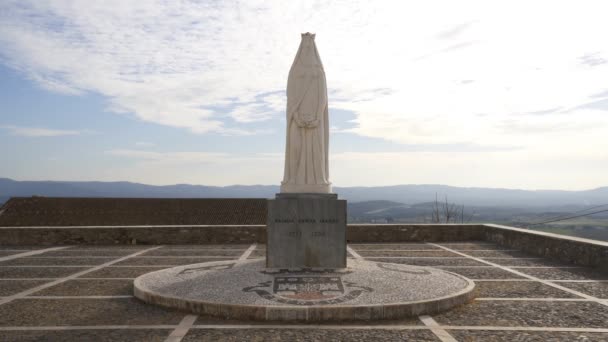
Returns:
point(306, 230)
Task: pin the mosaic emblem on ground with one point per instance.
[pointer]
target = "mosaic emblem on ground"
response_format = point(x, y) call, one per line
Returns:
point(296, 289)
point(246, 289)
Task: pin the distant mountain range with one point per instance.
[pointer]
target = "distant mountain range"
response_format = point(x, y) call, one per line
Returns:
point(403, 194)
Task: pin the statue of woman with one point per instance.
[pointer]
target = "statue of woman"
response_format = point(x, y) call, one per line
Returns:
point(306, 162)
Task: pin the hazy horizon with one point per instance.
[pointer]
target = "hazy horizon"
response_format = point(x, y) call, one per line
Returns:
point(260, 184)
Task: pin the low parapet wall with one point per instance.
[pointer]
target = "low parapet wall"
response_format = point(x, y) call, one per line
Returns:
point(212, 234)
point(568, 249)
point(100, 211)
point(145, 235)
point(413, 232)
point(579, 251)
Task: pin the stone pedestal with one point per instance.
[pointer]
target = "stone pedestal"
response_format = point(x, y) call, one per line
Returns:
point(306, 230)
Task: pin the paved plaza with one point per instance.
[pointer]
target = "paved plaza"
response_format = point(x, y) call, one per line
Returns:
point(82, 293)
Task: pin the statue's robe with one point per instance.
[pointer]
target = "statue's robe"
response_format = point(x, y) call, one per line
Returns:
point(306, 155)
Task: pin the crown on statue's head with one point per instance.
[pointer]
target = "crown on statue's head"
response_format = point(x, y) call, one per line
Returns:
point(308, 34)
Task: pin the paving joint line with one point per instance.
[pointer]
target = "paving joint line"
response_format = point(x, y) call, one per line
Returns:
point(542, 329)
point(143, 256)
point(97, 278)
point(505, 279)
point(248, 252)
point(311, 326)
point(34, 252)
point(474, 266)
point(76, 297)
point(19, 279)
point(304, 327)
point(85, 266)
point(70, 277)
point(219, 327)
point(458, 257)
point(416, 257)
point(156, 265)
point(45, 266)
point(436, 329)
point(534, 299)
point(435, 250)
point(87, 327)
point(182, 328)
point(505, 268)
point(545, 267)
point(577, 281)
point(353, 253)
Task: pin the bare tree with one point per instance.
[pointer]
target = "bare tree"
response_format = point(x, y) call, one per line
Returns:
point(446, 212)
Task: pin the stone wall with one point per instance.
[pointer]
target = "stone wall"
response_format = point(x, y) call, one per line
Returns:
point(147, 235)
point(104, 235)
point(356, 233)
point(64, 211)
point(578, 251)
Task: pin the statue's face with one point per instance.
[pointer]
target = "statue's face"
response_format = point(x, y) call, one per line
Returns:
point(308, 54)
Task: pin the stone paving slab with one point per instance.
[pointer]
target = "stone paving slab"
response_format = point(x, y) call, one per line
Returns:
point(37, 312)
point(430, 253)
point(192, 252)
point(77, 312)
point(212, 320)
point(56, 261)
point(536, 262)
point(10, 287)
point(257, 254)
point(403, 246)
point(92, 287)
point(482, 272)
point(22, 248)
point(499, 254)
point(131, 248)
point(7, 253)
point(117, 335)
point(564, 273)
point(430, 261)
point(38, 272)
point(598, 290)
point(142, 261)
point(88, 253)
point(519, 289)
point(281, 335)
point(526, 336)
point(469, 246)
point(527, 314)
point(198, 247)
point(121, 272)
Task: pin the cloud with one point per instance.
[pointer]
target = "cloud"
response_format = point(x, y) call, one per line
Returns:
point(593, 59)
point(38, 131)
point(168, 157)
point(545, 111)
point(454, 30)
point(251, 113)
point(190, 157)
point(222, 66)
point(144, 144)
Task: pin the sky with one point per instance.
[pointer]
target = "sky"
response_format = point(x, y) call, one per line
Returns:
point(504, 94)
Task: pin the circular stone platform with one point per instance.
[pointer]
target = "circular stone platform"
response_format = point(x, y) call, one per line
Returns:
point(365, 290)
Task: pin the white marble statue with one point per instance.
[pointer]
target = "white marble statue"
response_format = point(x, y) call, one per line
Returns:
point(306, 164)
